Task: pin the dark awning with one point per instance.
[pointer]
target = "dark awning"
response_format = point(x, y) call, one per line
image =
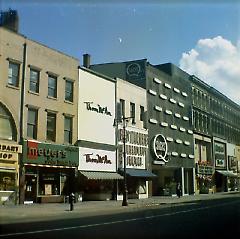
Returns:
point(227, 173)
point(101, 175)
point(141, 173)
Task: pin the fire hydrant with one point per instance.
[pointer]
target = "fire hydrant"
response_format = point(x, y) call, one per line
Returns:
point(71, 200)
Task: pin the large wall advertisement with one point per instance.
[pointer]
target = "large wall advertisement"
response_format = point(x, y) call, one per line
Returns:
point(96, 109)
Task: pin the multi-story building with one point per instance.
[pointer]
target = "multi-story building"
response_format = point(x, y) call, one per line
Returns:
point(96, 136)
point(216, 135)
point(168, 120)
point(38, 101)
point(132, 103)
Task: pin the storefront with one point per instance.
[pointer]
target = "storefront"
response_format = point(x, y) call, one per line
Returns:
point(9, 154)
point(97, 178)
point(136, 141)
point(49, 171)
point(220, 157)
point(204, 177)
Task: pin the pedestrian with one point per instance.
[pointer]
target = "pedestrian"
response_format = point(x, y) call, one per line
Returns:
point(71, 200)
point(178, 190)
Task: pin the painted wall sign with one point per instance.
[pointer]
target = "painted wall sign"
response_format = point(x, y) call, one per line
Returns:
point(136, 148)
point(50, 154)
point(97, 160)
point(97, 108)
point(160, 147)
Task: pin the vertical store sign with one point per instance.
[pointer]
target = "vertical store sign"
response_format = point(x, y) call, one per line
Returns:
point(220, 154)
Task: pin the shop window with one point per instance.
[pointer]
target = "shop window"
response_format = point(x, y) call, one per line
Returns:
point(67, 129)
point(34, 80)
point(7, 181)
point(69, 90)
point(7, 130)
point(51, 126)
point(32, 123)
point(13, 74)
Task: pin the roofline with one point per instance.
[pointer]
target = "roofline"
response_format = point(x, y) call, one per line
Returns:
point(26, 38)
point(97, 74)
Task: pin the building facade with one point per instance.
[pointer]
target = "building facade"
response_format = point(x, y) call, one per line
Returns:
point(216, 135)
point(97, 179)
point(39, 100)
point(168, 120)
point(132, 103)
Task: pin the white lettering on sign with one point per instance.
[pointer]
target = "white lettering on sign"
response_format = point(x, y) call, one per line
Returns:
point(160, 147)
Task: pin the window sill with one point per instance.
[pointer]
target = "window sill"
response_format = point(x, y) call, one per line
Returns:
point(52, 98)
point(32, 92)
point(13, 87)
point(68, 102)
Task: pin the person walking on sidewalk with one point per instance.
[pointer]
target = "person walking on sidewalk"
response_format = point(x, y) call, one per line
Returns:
point(178, 190)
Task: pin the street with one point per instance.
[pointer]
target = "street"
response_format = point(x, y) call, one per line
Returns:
point(218, 218)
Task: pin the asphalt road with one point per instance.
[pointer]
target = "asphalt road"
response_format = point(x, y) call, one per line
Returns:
point(218, 218)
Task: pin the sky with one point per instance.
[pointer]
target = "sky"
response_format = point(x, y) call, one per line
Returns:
point(199, 36)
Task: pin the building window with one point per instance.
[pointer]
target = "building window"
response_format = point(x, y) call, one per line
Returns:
point(141, 113)
point(132, 112)
point(51, 126)
point(34, 80)
point(69, 90)
point(13, 74)
point(52, 86)
point(32, 123)
point(6, 125)
point(68, 129)
point(122, 107)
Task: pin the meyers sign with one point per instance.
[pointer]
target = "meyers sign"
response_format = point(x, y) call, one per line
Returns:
point(50, 154)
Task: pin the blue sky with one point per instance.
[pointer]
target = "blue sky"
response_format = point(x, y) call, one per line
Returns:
point(161, 31)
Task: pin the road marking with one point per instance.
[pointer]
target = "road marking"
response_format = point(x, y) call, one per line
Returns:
point(114, 222)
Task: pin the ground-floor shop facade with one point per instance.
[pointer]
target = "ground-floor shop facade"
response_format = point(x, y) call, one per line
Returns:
point(167, 178)
point(49, 171)
point(97, 175)
point(9, 171)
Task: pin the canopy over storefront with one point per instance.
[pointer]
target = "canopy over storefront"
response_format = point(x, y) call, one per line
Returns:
point(227, 173)
point(140, 173)
point(101, 175)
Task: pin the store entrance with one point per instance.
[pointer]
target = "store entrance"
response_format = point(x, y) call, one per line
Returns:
point(31, 188)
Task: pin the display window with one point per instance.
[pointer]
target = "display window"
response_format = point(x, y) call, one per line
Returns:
point(7, 181)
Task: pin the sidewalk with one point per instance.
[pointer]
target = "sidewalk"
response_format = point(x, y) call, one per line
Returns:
point(51, 211)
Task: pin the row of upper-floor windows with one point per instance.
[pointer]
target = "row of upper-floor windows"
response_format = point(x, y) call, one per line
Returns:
point(210, 103)
point(204, 124)
point(8, 129)
point(35, 80)
point(51, 126)
point(132, 111)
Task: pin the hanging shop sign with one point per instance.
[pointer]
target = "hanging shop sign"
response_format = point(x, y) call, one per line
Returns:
point(204, 169)
point(50, 154)
point(160, 147)
point(136, 148)
point(97, 160)
point(220, 154)
point(10, 151)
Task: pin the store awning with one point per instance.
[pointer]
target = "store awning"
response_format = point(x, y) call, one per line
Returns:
point(227, 173)
point(101, 175)
point(140, 173)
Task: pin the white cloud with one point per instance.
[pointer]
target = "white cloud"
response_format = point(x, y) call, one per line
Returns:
point(217, 62)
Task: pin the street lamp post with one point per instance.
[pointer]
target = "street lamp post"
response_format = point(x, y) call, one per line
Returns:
point(124, 120)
